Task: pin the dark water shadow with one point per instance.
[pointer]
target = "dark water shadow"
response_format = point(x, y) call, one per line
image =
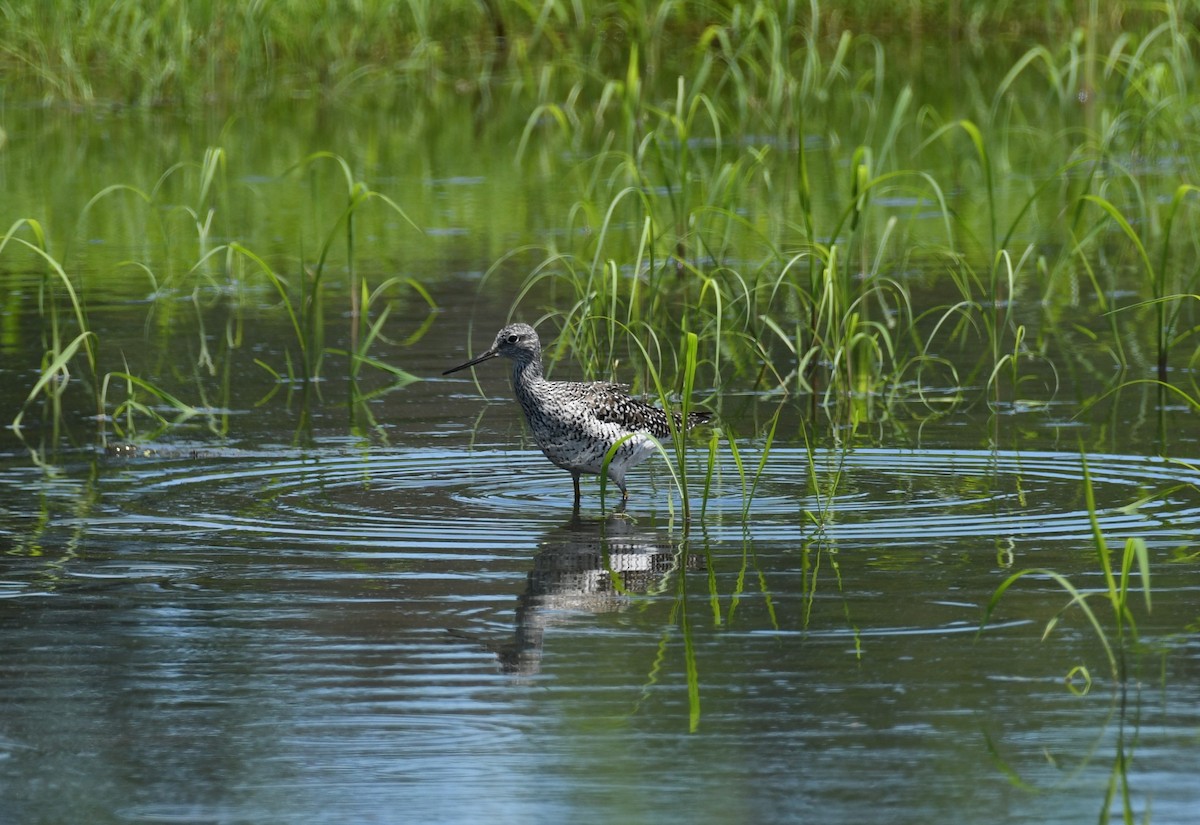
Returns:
point(588, 565)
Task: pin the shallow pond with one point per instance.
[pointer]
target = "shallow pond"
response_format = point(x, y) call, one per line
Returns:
point(419, 630)
point(317, 605)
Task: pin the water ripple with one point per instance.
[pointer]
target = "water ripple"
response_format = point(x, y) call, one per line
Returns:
point(435, 499)
point(934, 494)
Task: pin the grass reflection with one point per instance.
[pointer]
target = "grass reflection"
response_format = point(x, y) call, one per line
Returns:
point(1118, 638)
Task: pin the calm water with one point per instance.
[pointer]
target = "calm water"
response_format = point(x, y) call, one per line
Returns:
point(306, 610)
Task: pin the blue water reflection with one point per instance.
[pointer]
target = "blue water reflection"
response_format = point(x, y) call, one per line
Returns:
point(390, 636)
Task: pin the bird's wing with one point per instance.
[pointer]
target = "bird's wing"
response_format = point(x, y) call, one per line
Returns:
point(612, 403)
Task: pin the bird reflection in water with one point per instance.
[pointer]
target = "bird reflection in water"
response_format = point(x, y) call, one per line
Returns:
point(573, 573)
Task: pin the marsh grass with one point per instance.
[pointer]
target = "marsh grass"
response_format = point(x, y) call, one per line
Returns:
point(308, 313)
point(140, 400)
point(768, 204)
point(764, 189)
point(706, 207)
point(59, 303)
point(829, 321)
point(859, 336)
point(133, 405)
point(369, 309)
point(1166, 289)
point(1117, 633)
point(94, 52)
point(1134, 570)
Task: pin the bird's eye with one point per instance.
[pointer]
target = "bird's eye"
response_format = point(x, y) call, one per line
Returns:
point(512, 339)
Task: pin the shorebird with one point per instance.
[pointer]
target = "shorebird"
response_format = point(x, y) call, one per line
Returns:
point(576, 423)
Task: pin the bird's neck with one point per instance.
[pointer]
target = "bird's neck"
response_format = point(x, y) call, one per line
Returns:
point(526, 372)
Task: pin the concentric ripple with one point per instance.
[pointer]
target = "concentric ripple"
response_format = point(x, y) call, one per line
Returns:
point(425, 499)
point(444, 498)
point(933, 494)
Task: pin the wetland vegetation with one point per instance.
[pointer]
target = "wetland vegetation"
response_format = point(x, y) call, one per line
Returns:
point(937, 253)
point(827, 221)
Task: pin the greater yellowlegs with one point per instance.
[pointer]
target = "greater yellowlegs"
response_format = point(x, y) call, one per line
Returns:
point(576, 423)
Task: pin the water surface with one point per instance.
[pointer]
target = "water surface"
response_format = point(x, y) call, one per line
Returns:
point(424, 631)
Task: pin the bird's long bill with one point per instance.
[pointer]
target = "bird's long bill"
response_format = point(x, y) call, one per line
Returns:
point(486, 356)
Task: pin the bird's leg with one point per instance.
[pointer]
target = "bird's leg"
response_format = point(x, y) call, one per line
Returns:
point(575, 481)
